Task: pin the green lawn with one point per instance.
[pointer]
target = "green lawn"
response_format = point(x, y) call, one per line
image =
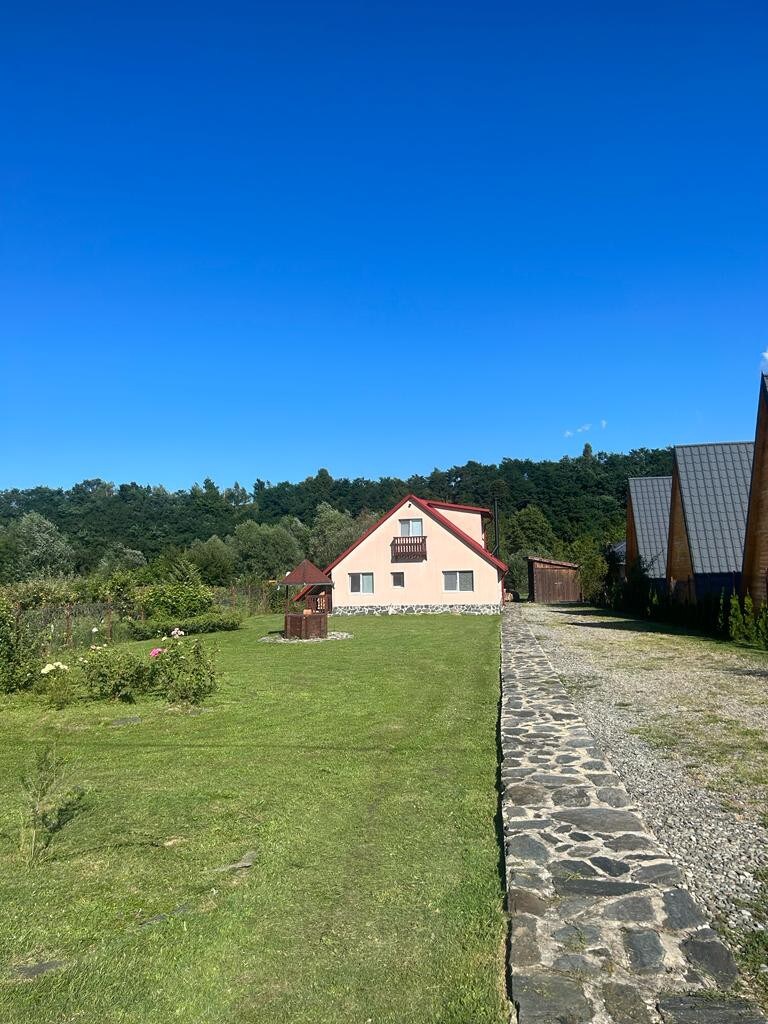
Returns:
point(364, 774)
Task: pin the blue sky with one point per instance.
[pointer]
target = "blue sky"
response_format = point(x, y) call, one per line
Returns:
point(248, 240)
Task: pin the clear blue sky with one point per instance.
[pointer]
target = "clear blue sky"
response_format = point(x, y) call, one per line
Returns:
point(247, 240)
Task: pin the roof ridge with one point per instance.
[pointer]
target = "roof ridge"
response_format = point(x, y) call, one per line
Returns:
point(708, 444)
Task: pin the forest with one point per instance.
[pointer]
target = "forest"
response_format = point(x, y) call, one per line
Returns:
point(570, 507)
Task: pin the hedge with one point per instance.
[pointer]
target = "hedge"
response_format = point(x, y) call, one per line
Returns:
point(210, 622)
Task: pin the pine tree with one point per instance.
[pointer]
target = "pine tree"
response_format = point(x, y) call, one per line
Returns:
point(750, 626)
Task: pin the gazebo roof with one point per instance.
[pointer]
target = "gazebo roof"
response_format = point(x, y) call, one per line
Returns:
point(306, 574)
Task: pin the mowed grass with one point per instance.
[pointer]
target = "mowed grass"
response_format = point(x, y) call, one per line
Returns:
point(363, 772)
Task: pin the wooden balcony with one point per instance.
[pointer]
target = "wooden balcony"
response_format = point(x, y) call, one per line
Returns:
point(409, 549)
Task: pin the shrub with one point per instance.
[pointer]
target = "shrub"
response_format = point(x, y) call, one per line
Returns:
point(175, 600)
point(736, 621)
point(185, 671)
point(19, 652)
point(117, 673)
point(210, 622)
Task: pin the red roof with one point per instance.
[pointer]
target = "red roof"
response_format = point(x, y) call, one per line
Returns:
point(306, 572)
point(429, 508)
point(485, 512)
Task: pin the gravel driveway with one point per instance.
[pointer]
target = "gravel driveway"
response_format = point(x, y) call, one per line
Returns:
point(684, 720)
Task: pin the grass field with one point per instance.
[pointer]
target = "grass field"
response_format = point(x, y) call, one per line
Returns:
point(363, 773)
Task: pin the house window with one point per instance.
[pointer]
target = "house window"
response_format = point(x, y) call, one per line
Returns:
point(398, 579)
point(459, 580)
point(361, 583)
point(411, 528)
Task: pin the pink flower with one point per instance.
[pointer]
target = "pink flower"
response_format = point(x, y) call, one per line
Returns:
point(156, 652)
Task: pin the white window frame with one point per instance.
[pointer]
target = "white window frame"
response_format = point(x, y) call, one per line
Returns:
point(398, 586)
point(457, 574)
point(361, 589)
point(418, 520)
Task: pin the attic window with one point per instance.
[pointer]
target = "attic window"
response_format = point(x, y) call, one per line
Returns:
point(411, 528)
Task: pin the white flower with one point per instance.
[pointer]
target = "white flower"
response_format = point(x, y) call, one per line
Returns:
point(95, 629)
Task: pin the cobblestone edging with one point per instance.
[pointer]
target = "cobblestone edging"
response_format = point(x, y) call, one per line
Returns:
point(418, 609)
point(602, 932)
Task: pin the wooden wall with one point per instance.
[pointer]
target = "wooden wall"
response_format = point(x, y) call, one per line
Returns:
point(632, 545)
point(753, 577)
point(553, 582)
point(679, 563)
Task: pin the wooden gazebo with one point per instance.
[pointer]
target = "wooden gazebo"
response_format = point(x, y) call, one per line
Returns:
point(312, 622)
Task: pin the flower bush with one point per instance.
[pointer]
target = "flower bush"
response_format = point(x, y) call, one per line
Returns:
point(185, 671)
point(58, 685)
point(181, 671)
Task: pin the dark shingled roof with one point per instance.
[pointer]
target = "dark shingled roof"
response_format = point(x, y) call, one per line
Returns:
point(650, 507)
point(714, 485)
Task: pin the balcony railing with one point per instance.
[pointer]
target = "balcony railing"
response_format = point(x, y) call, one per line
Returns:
point(409, 549)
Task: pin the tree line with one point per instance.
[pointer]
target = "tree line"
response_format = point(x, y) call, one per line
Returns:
point(546, 507)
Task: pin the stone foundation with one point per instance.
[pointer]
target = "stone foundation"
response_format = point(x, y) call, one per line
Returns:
point(418, 609)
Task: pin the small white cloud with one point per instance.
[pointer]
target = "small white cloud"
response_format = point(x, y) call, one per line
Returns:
point(764, 360)
point(583, 428)
point(603, 424)
point(568, 433)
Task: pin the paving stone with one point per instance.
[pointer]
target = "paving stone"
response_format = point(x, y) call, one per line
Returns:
point(600, 819)
point(576, 937)
point(524, 951)
point(663, 874)
point(646, 953)
point(595, 886)
point(568, 867)
point(571, 796)
point(576, 963)
point(630, 842)
point(633, 908)
point(613, 797)
point(682, 912)
point(530, 824)
point(610, 866)
point(548, 998)
point(707, 1010)
point(711, 956)
point(522, 901)
point(525, 847)
point(624, 1004)
point(524, 794)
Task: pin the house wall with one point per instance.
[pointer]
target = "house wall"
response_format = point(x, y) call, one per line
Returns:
point(469, 522)
point(753, 577)
point(423, 580)
point(679, 564)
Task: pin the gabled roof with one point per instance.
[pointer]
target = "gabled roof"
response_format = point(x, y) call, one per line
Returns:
point(714, 487)
point(553, 561)
point(306, 572)
point(650, 508)
point(429, 509)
